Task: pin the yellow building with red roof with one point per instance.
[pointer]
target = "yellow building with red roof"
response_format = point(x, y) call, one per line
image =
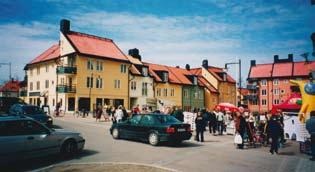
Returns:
point(79, 73)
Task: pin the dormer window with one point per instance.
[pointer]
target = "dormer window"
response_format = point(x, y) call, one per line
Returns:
point(195, 80)
point(165, 76)
point(144, 71)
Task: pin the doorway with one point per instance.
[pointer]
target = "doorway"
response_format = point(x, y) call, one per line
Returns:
point(71, 104)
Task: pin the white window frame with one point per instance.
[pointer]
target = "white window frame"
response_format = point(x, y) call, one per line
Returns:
point(276, 82)
point(263, 82)
point(263, 92)
point(264, 102)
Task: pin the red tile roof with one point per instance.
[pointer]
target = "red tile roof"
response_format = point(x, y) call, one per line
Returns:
point(181, 75)
point(50, 54)
point(302, 68)
point(261, 71)
point(97, 46)
point(11, 86)
point(282, 69)
point(134, 70)
point(287, 69)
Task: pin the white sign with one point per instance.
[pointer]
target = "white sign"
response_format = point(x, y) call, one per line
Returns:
point(189, 118)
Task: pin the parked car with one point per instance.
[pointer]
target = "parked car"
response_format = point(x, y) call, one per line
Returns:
point(154, 128)
point(33, 112)
point(23, 137)
point(7, 102)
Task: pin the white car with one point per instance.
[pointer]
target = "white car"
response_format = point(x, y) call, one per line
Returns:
point(23, 138)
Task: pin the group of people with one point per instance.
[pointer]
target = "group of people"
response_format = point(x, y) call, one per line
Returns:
point(111, 113)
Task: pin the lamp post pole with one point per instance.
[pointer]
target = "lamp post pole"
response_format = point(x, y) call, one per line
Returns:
point(239, 76)
point(10, 70)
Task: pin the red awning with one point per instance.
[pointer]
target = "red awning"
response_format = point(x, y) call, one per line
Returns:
point(227, 107)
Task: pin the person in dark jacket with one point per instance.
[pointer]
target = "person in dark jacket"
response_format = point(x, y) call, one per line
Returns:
point(212, 123)
point(275, 132)
point(240, 127)
point(200, 127)
point(310, 126)
point(178, 114)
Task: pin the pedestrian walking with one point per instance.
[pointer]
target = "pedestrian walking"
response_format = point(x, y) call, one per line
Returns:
point(220, 121)
point(275, 131)
point(200, 127)
point(212, 123)
point(99, 112)
point(119, 114)
point(125, 114)
point(310, 126)
point(240, 127)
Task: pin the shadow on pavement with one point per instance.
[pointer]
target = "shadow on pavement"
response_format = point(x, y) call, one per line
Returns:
point(36, 163)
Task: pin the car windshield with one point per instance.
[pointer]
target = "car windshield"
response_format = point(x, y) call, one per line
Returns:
point(32, 110)
point(166, 119)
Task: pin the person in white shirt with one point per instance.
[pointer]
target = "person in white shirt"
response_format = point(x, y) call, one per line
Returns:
point(119, 114)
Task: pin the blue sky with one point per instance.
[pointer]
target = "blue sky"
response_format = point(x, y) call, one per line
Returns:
point(169, 32)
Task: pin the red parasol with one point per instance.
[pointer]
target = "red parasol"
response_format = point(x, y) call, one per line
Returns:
point(227, 107)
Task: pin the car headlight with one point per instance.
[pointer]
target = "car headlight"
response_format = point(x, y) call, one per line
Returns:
point(49, 119)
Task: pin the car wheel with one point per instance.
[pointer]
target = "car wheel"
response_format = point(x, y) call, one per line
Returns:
point(69, 148)
point(153, 139)
point(115, 133)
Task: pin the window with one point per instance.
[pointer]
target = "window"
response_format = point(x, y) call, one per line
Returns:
point(38, 70)
point(31, 86)
point(31, 72)
point(144, 71)
point(89, 82)
point(282, 91)
point(47, 68)
point(99, 82)
point(264, 102)
point(285, 81)
point(195, 80)
point(263, 82)
point(99, 65)
point(276, 101)
point(37, 85)
point(263, 92)
point(33, 128)
point(144, 89)
point(158, 92)
point(135, 120)
point(276, 91)
point(172, 92)
point(200, 94)
point(117, 83)
point(165, 92)
point(90, 65)
point(47, 84)
point(276, 82)
point(123, 68)
point(147, 120)
point(133, 85)
point(255, 102)
point(165, 77)
point(62, 81)
point(185, 93)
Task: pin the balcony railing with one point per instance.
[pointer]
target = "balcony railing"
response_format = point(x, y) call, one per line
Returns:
point(66, 70)
point(23, 93)
point(252, 87)
point(66, 89)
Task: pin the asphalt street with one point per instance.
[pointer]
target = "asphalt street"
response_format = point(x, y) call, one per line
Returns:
point(217, 153)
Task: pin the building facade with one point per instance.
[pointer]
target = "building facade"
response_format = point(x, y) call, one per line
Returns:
point(80, 73)
point(269, 84)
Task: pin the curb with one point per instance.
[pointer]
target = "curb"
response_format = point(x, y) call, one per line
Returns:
point(106, 163)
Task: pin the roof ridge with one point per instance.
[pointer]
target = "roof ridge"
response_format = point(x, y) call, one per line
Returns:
point(91, 36)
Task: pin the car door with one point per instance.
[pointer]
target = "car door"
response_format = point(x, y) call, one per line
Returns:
point(146, 125)
point(40, 140)
point(12, 141)
point(131, 130)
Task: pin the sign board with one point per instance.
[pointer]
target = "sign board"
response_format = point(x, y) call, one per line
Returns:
point(189, 118)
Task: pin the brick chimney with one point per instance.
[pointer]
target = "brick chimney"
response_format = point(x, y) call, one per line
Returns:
point(275, 58)
point(64, 26)
point(134, 53)
point(205, 64)
point(187, 67)
point(290, 57)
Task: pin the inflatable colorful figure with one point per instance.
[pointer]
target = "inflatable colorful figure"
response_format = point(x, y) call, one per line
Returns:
point(308, 98)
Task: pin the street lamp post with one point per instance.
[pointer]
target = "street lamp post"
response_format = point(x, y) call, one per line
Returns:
point(239, 75)
point(8, 64)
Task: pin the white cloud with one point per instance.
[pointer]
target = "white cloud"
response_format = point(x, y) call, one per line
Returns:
point(21, 43)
